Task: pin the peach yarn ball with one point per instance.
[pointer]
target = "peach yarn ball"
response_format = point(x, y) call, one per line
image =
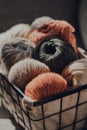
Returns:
point(57, 28)
point(45, 85)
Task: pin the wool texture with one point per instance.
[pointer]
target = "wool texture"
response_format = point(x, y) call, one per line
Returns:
point(14, 50)
point(55, 28)
point(55, 53)
point(19, 30)
point(45, 85)
point(76, 73)
point(39, 22)
point(25, 70)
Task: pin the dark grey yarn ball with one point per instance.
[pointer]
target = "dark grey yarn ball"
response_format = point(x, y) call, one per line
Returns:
point(14, 50)
point(55, 53)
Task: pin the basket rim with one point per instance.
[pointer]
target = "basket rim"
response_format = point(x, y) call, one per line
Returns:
point(48, 99)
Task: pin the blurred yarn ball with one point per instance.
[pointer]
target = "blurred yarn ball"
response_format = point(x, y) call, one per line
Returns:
point(14, 50)
point(19, 30)
point(24, 71)
point(45, 85)
point(76, 73)
point(38, 22)
point(55, 28)
point(55, 53)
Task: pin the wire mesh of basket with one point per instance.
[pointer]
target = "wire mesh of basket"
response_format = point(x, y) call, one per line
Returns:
point(65, 111)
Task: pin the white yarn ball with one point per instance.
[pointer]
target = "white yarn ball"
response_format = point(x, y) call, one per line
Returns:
point(38, 22)
point(18, 30)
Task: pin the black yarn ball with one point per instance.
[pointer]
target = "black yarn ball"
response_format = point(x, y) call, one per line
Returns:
point(14, 50)
point(55, 53)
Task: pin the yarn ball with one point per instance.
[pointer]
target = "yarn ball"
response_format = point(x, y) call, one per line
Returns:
point(45, 85)
point(55, 28)
point(14, 50)
point(19, 30)
point(24, 71)
point(55, 53)
point(38, 22)
point(76, 73)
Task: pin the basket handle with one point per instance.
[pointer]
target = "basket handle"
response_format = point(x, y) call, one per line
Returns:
point(27, 103)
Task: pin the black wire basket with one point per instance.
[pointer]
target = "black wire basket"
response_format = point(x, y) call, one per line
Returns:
point(65, 111)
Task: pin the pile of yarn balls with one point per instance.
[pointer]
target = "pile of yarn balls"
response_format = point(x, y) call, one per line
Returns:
point(40, 58)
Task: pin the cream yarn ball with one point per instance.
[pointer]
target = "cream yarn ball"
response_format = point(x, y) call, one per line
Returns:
point(24, 71)
point(76, 73)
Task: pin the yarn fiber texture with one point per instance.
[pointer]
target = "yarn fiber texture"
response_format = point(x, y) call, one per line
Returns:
point(19, 30)
point(45, 85)
point(55, 28)
point(24, 71)
point(76, 73)
point(14, 50)
point(55, 53)
point(38, 22)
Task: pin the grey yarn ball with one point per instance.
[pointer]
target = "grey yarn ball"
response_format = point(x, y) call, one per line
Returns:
point(14, 50)
point(24, 71)
point(38, 22)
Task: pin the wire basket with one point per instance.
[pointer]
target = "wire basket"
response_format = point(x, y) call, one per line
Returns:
point(65, 111)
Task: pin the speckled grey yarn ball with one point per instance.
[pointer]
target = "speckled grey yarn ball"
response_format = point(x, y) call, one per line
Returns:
point(14, 50)
point(38, 22)
point(24, 71)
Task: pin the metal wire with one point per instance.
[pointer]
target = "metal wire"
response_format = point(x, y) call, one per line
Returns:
point(8, 89)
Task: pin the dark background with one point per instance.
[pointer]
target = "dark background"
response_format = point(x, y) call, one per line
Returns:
point(25, 11)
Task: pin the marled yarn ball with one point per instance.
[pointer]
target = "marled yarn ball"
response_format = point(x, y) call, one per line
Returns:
point(14, 50)
point(38, 22)
point(45, 85)
point(55, 28)
point(18, 30)
point(24, 71)
point(55, 53)
point(76, 73)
